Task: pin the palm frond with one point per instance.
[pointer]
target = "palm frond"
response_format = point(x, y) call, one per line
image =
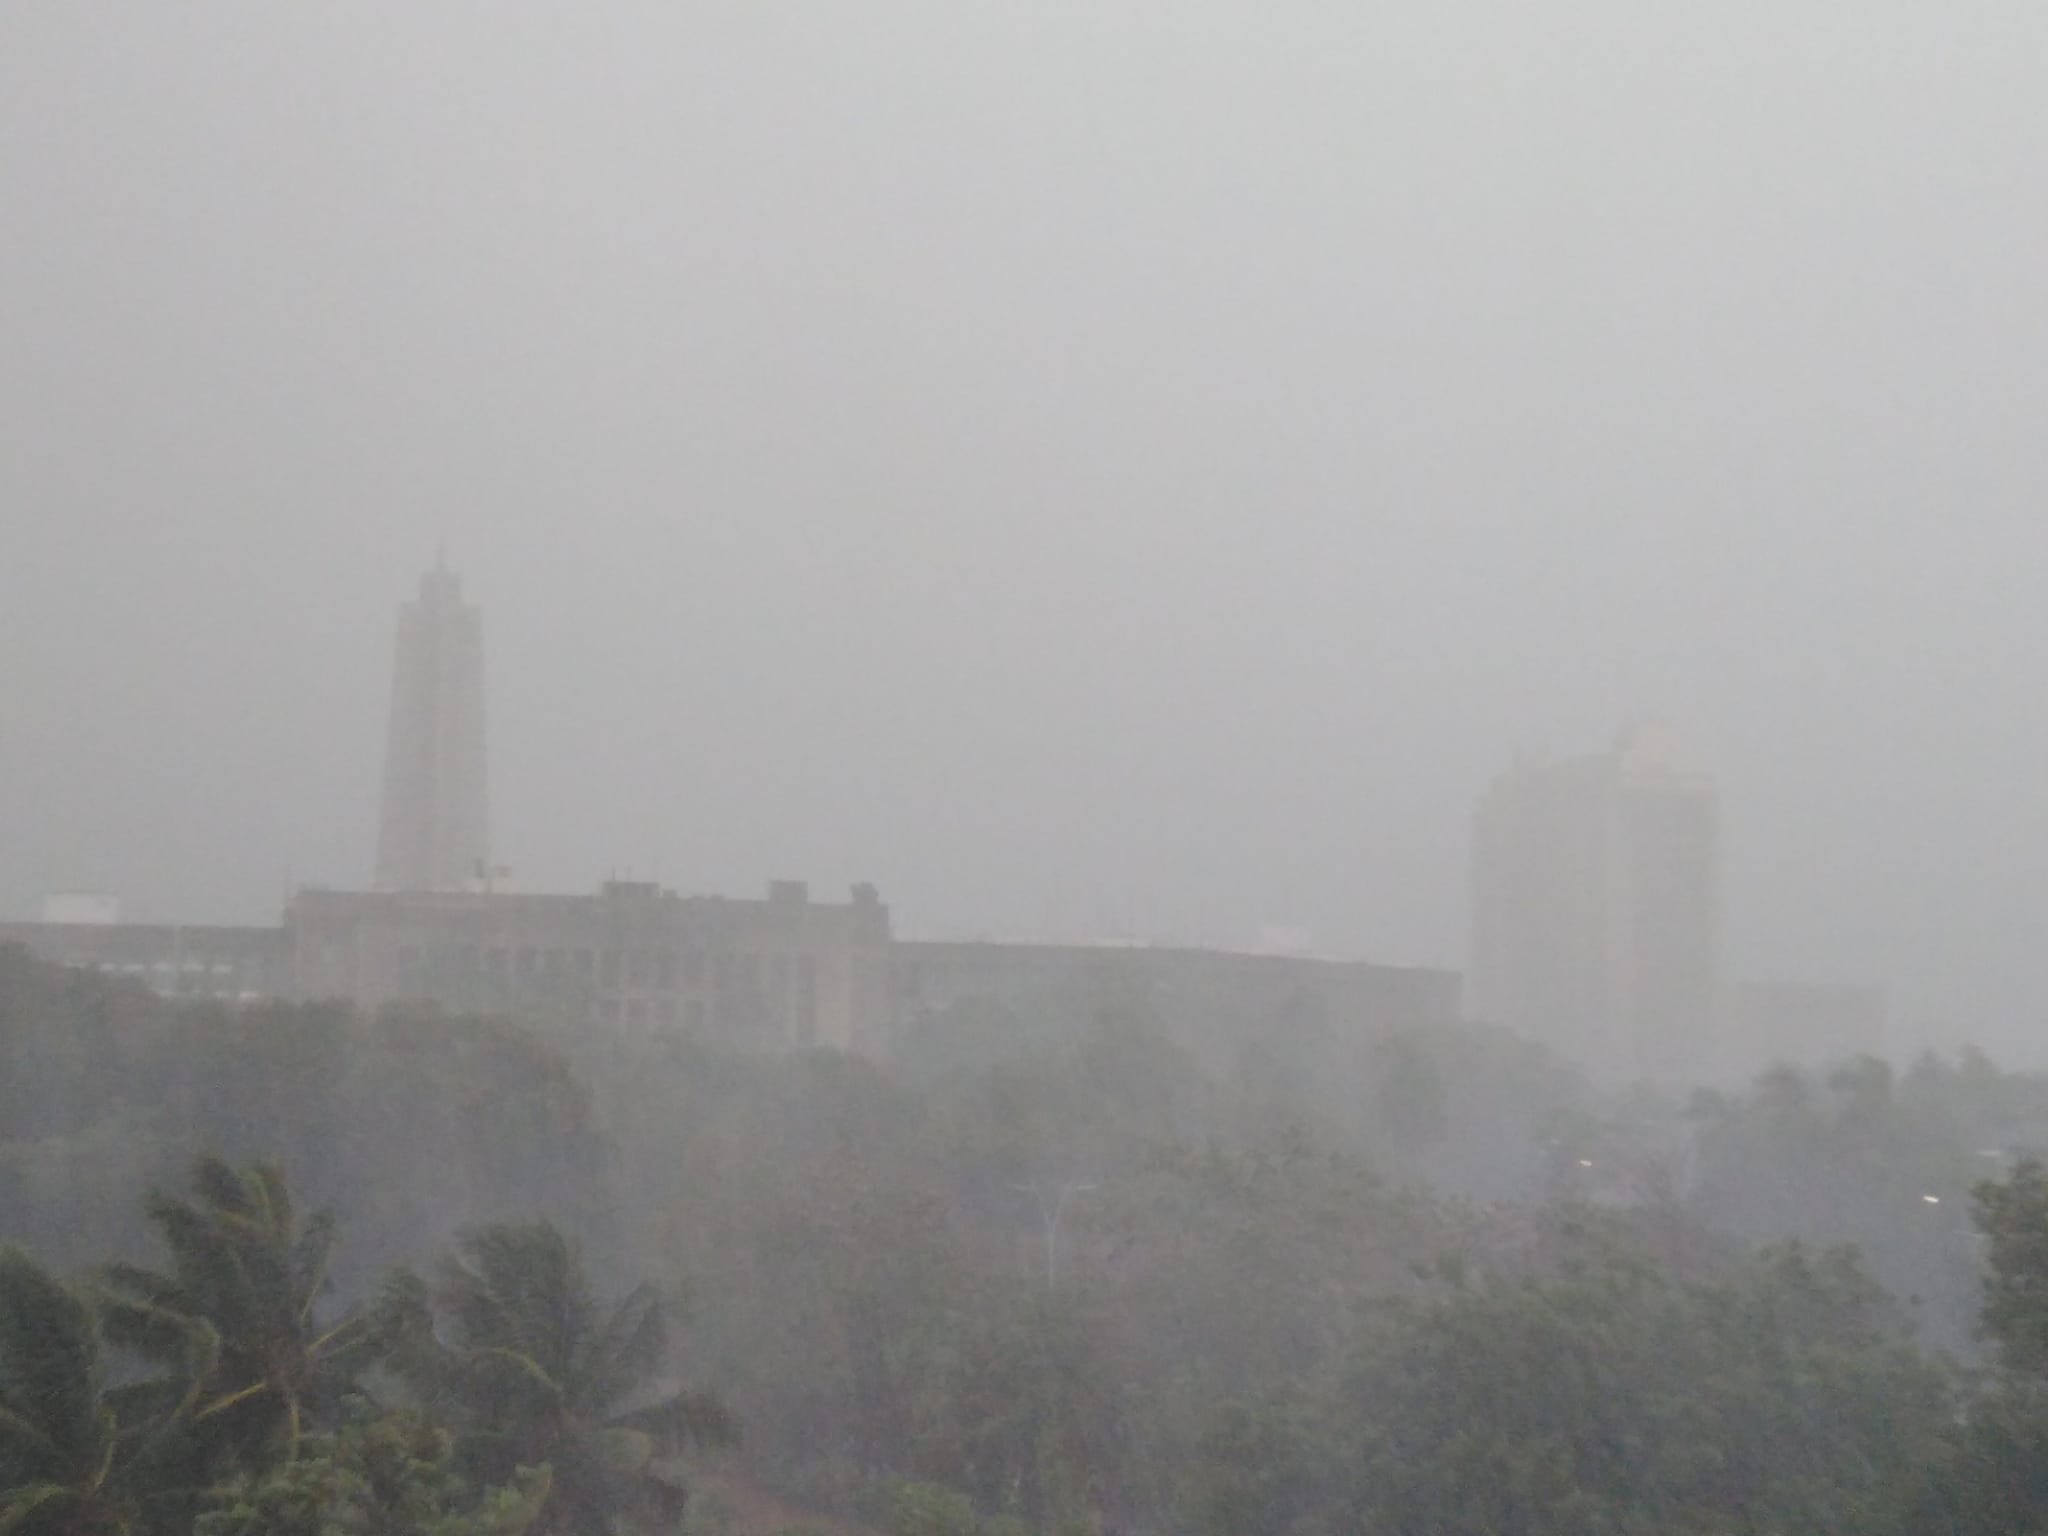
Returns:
point(232, 1313)
point(272, 1194)
point(223, 1187)
point(627, 1352)
point(685, 1419)
point(519, 1286)
point(49, 1358)
point(133, 1282)
point(34, 1507)
point(205, 1266)
point(231, 1401)
point(160, 1334)
point(25, 1446)
point(310, 1253)
point(507, 1374)
point(402, 1327)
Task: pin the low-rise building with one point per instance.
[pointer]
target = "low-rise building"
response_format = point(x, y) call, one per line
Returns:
point(785, 972)
point(186, 960)
point(1212, 1001)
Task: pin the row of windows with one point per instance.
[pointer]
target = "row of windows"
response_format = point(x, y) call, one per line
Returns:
point(186, 978)
point(165, 967)
point(610, 970)
point(797, 1024)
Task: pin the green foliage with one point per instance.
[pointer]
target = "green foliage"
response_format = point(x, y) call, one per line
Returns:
point(381, 1475)
point(1262, 1467)
point(516, 1351)
point(1612, 1399)
point(440, 1118)
point(2013, 1217)
point(1991, 1478)
point(60, 1441)
point(243, 1264)
point(928, 1509)
point(76, 1454)
point(1271, 1315)
point(1850, 1158)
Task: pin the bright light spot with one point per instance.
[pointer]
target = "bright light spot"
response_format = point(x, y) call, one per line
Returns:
point(1932, 1199)
point(1585, 1162)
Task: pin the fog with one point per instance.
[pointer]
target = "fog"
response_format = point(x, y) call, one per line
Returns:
point(1086, 469)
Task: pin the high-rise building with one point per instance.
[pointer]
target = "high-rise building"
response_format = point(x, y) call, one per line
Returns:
point(435, 832)
point(1596, 908)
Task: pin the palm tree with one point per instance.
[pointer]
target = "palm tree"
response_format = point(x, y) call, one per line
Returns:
point(76, 1458)
point(534, 1371)
point(242, 1263)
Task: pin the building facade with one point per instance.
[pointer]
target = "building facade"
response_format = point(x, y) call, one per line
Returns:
point(784, 973)
point(193, 961)
point(434, 830)
point(1596, 909)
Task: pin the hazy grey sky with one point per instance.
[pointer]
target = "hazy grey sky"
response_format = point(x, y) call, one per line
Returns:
point(1072, 463)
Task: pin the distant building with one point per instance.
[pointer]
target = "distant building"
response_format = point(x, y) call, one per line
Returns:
point(435, 828)
point(1214, 1002)
point(779, 974)
point(1596, 908)
point(776, 974)
point(182, 960)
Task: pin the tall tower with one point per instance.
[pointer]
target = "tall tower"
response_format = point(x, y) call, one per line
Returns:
point(1596, 908)
point(435, 833)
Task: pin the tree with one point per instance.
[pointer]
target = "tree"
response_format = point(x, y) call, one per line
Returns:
point(1608, 1399)
point(2013, 1218)
point(531, 1369)
point(1991, 1478)
point(381, 1475)
point(70, 1463)
point(243, 1264)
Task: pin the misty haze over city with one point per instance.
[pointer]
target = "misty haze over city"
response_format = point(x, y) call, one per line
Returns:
point(1091, 471)
point(1044, 770)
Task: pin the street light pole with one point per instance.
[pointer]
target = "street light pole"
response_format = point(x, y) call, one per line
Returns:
point(1050, 1214)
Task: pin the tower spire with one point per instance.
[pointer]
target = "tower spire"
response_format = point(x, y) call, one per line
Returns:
point(434, 834)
